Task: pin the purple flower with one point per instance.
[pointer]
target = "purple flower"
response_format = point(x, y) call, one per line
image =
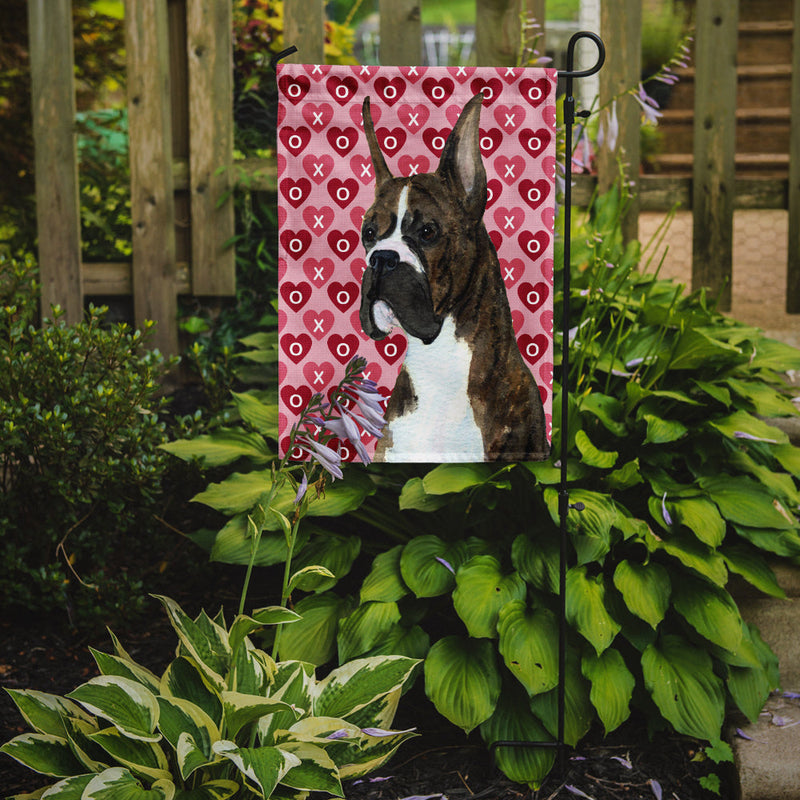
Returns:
point(342, 733)
point(577, 792)
point(649, 106)
point(664, 512)
point(742, 735)
point(326, 457)
point(751, 437)
point(608, 133)
point(624, 761)
point(445, 563)
point(301, 489)
point(655, 786)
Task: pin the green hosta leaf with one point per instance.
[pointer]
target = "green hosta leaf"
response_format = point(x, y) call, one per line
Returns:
point(234, 545)
point(180, 717)
point(753, 567)
point(462, 680)
point(448, 478)
point(586, 608)
point(117, 783)
point(145, 759)
point(126, 704)
point(316, 772)
point(270, 615)
point(512, 721)
point(78, 733)
point(182, 679)
point(590, 455)
point(365, 627)
point(788, 455)
point(692, 553)
point(252, 670)
point(223, 446)
point(782, 543)
point(716, 391)
point(529, 645)
point(745, 502)
point(740, 422)
point(771, 354)
point(399, 640)
point(608, 410)
point(385, 582)
point(537, 561)
point(261, 416)
point(263, 766)
point(68, 789)
point(749, 688)
point(683, 685)
point(312, 577)
point(767, 401)
point(709, 610)
point(44, 712)
point(242, 709)
point(481, 591)
point(646, 589)
point(696, 349)
point(125, 668)
point(612, 687)
point(44, 753)
point(294, 684)
point(424, 565)
point(701, 517)
point(335, 553)
point(625, 477)
point(663, 431)
point(413, 496)
point(313, 638)
point(212, 790)
point(589, 528)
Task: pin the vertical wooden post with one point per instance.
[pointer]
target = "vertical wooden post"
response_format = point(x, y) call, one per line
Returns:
point(400, 31)
point(304, 27)
point(210, 53)
point(793, 267)
point(56, 160)
point(621, 28)
point(498, 29)
point(152, 202)
point(714, 146)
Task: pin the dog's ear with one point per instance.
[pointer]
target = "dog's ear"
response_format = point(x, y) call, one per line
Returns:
point(378, 162)
point(461, 164)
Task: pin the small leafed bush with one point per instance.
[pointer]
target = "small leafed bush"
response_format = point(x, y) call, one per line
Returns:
point(80, 468)
point(223, 720)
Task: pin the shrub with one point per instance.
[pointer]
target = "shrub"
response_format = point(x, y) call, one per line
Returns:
point(79, 430)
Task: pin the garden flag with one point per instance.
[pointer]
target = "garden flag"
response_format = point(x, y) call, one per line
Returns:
point(416, 215)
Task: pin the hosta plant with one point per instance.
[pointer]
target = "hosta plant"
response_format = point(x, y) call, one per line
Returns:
point(224, 720)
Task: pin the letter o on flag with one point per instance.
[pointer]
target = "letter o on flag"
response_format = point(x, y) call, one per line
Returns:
point(437, 92)
point(342, 194)
point(343, 246)
point(296, 350)
point(296, 402)
point(390, 350)
point(342, 91)
point(295, 142)
point(295, 298)
point(343, 349)
point(342, 142)
point(294, 90)
point(295, 193)
point(295, 245)
point(535, 93)
point(534, 194)
point(532, 350)
point(438, 142)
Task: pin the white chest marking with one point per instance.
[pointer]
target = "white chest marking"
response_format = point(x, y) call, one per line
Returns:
point(442, 425)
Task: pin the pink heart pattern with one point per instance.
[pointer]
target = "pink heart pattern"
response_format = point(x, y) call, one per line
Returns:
point(326, 180)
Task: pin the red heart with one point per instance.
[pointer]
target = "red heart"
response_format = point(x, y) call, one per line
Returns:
point(434, 140)
point(390, 90)
point(342, 140)
point(295, 139)
point(535, 91)
point(517, 321)
point(509, 74)
point(512, 270)
point(343, 348)
point(392, 347)
point(372, 372)
point(318, 323)
point(294, 87)
point(438, 91)
point(509, 169)
point(318, 167)
point(533, 244)
point(497, 239)
point(295, 191)
point(295, 398)
point(341, 89)
point(534, 193)
point(357, 117)
point(362, 168)
point(532, 347)
point(355, 321)
point(357, 267)
point(318, 271)
point(295, 295)
point(533, 297)
point(343, 192)
point(490, 88)
point(343, 295)
point(342, 243)
point(509, 220)
point(357, 216)
point(318, 219)
point(509, 118)
point(281, 113)
point(413, 165)
point(493, 190)
point(462, 74)
point(295, 243)
point(413, 117)
point(295, 347)
point(318, 375)
point(391, 140)
point(297, 454)
point(534, 141)
point(489, 141)
point(282, 215)
point(317, 116)
point(413, 74)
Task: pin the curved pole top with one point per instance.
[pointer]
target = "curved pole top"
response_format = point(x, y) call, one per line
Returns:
point(570, 72)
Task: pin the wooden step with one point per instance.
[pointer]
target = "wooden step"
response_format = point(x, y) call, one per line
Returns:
point(754, 10)
point(765, 42)
point(766, 165)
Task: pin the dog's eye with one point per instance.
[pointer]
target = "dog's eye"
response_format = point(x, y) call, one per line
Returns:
point(369, 233)
point(428, 233)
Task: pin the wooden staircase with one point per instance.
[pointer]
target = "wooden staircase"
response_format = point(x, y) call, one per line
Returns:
point(762, 103)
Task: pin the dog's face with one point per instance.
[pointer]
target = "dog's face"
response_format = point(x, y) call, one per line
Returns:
point(420, 234)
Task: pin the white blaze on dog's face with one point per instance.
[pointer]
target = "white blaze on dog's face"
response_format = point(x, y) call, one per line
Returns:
point(414, 230)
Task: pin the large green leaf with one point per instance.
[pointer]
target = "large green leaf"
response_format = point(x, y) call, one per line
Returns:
point(537, 560)
point(512, 721)
point(428, 565)
point(591, 455)
point(741, 425)
point(365, 627)
point(316, 771)
point(663, 431)
point(743, 501)
point(145, 759)
point(780, 542)
point(529, 645)
point(608, 410)
point(586, 608)
point(313, 638)
point(709, 609)
point(696, 349)
point(233, 544)
point(261, 416)
point(645, 588)
point(448, 478)
point(117, 783)
point(746, 561)
point(612, 686)
point(241, 709)
point(335, 553)
point(765, 399)
point(263, 766)
point(683, 685)
point(701, 517)
point(589, 526)
point(44, 753)
point(177, 717)
point(211, 790)
point(223, 446)
point(183, 679)
point(462, 680)
point(44, 712)
point(690, 552)
point(481, 591)
point(385, 582)
point(414, 497)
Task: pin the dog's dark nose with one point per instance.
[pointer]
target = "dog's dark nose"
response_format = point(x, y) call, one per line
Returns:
point(384, 260)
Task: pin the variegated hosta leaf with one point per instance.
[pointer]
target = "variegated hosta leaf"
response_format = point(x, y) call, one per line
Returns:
point(683, 685)
point(646, 589)
point(45, 712)
point(293, 684)
point(68, 789)
point(125, 668)
point(145, 759)
point(126, 704)
point(244, 625)
point(373, 752)
point(78, 733)
point(513, 721)
point(529, 645)
point(252, 670)
point(242, 709)
point(612, 686)
point(212, 790)
point(183, 679)
point(44, 753)
point(586, 608)
point(316, 771)
point(358, 683)
point(117, 783)
point(481, 591)
point(365, 627)
point(710, 610)
point(385, 581)
point(262, 766)
point(179, 718)
point(462, 680)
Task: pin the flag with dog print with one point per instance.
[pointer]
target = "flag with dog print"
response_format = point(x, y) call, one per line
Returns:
point(416, 216)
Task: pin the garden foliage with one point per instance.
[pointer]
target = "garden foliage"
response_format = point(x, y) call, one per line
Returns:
point(684, 483)
point(223, 720)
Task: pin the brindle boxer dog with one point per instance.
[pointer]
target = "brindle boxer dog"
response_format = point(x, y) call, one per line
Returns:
point(463, 392)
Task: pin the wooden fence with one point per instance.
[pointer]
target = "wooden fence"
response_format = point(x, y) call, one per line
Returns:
point(181, 133)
